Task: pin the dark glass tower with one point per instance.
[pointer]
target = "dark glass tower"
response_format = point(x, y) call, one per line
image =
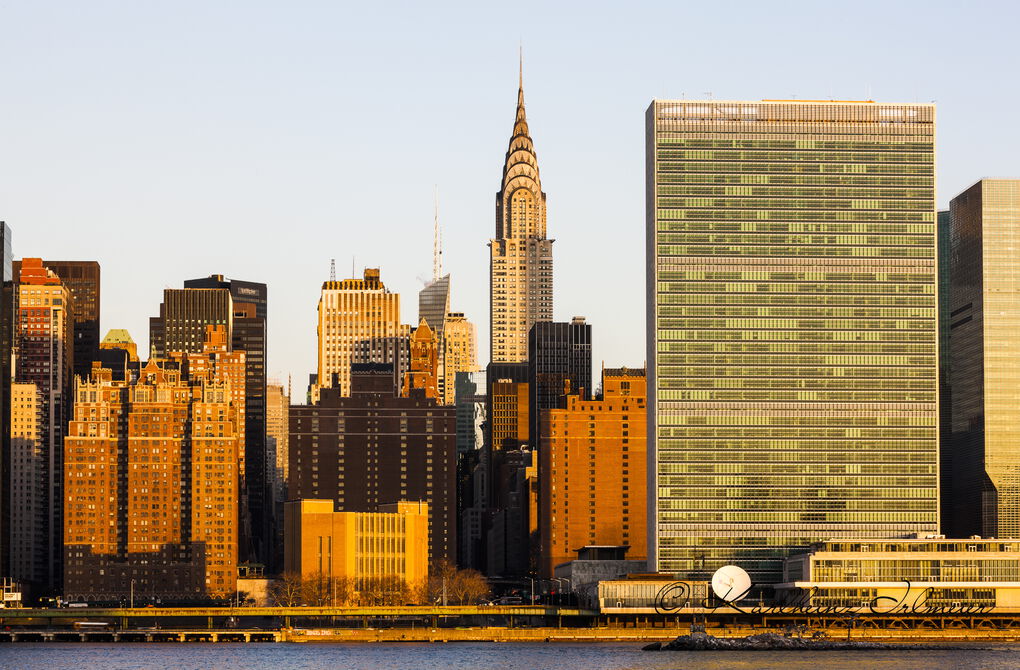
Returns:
point(6, 321)
point(559, 362)
point(248, 333)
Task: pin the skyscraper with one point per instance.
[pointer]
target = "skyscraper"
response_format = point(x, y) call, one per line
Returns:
point(43, 360)
point(152, 480)
point(592, 471)
point(249, 305)
point(983, 496)
point(351, 311)
point(559, 363)
point(81, 278)
point(458, 353)
point(521, 263)
point(6, 340)
point(791, 290)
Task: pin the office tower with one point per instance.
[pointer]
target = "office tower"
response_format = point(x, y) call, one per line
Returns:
point(392, 350)
point(434, 302)
point(153, 481)
point(81, 278)
point(791, 292)
point(390, 543)
point(183, 316)
point(513, 516)
point(44, 352)
point(458, 353)
point(6, 342)
point(374, 447)
point(984, 493)
point(471, 468)
point(249, 304)
point(423, 363)
point(559, 362)
point(350, 311)
point(25, 494)
point(471, 404)
point(592, 471)
point(508, 415)
point(944, 246)
point(521, 265)
point(277, 440)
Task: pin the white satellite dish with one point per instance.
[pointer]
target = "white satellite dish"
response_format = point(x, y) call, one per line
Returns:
point(730, 583)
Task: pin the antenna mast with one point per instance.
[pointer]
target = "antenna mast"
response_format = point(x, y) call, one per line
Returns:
point(437, 240)
point(332, 269)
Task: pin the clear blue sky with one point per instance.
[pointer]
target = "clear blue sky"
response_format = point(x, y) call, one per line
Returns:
point(260, 139)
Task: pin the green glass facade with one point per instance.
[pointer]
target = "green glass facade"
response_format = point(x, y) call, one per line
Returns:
point(792, 329)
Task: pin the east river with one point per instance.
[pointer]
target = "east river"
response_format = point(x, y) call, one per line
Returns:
point(474, 656)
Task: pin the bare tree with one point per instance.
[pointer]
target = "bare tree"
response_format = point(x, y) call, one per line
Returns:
point(287, 591)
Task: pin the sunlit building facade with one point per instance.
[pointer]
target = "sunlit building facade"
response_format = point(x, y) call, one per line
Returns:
point(521, 263)
point(352, 311)
point(792, 328)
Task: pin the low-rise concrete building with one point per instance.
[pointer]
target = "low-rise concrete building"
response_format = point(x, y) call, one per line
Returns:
point(920, 574)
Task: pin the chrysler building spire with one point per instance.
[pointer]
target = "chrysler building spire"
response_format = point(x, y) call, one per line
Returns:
point(520, 255)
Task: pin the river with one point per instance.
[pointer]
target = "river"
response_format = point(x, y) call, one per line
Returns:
point(473, 656)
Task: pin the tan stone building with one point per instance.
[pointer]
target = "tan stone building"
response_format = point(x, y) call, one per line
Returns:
point(394, 541)
point(351, 311)
point(521, 263)
point(152, 481)
point(459, 353)
point(592, 471)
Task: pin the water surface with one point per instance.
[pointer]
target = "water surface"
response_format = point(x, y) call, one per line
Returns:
point(473, 656)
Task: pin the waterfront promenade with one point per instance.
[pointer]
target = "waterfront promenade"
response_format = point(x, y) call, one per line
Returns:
point(472, 624)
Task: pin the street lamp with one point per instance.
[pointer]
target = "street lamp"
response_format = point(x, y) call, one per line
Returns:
point(562, 579)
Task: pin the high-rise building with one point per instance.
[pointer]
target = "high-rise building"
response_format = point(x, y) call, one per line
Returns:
point(6, 343)
point(351, 311)
point(792, 328)
point(434, 303)
point(152, 480)
point(983, 496)
point(81, 278)
point(183, 317)
point(277, 441)
point(25, 493)
point(458, 353)
point(521, 263)
point(43, 357)
point(392, 350)
point(374, 447)
point(508, 415)
point(592, 470)
point(249, 305)
point(559, 363)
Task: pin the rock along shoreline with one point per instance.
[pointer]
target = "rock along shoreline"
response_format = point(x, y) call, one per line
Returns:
point(774, 641)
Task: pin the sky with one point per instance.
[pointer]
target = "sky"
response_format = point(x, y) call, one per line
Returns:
point(260, 140)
